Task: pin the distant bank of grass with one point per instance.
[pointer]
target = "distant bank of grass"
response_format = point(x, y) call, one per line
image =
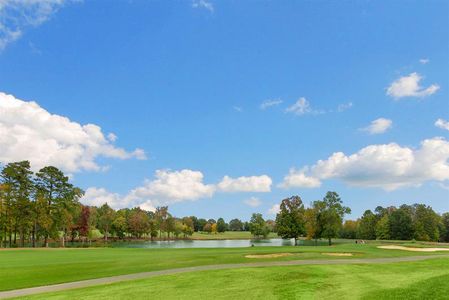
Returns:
point(36, 267)
point(411, 280)
point(227, 235)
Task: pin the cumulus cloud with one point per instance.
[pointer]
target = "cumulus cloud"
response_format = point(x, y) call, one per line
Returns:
point(274, 210)
point(173, 186)
point(297, 178)
point(424, 61)
point(99, 196)
point(16, 15)
point(253, 202)
point(302, 107)
point(203, 4)
point(386, 166)
point(378, 126)
point(29, 132)
point(246, 184)
point(169, 187)
point(269, 103)
point(443, 124)
point(166, 188)
point(408, 86)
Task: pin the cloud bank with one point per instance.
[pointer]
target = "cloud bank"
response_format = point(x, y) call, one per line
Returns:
point(29, 132)
point(386, 166)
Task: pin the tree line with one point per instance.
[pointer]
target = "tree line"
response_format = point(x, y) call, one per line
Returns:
point(36, 208)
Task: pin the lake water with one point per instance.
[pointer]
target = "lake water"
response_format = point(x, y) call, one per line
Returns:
point(206, 243)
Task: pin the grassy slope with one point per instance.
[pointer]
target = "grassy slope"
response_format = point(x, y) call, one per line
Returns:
point(35, 267)
point(416, 280)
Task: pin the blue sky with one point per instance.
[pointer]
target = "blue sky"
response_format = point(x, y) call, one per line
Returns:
point(184, 81)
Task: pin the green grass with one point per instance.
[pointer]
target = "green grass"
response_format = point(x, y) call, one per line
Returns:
point(36, 267)
point(228, 235)
point(411, 280)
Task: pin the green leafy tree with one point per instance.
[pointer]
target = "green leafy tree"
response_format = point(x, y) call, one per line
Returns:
point(426, 222)
point(61, 200)
point(258, 227)
point(367, 226)
point(235, 225)
point(139, 222)
point(444, 228)
point(221, 225)
point(161, 214)
point(201, 224)
point(17, 177)
point(330, 215)
point(119, 224)
point(383, 228)
point(290, 221)
point(106, 216)
point(170, 225)
point(401, 224)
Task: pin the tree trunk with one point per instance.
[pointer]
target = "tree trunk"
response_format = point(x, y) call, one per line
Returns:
point(330, 242)
point(33, 236)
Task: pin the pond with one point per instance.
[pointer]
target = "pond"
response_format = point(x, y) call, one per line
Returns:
point(209, 243)
point(201, 243)
point(190, 243)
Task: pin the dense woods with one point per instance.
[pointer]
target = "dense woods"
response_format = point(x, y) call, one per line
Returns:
point(36, 208)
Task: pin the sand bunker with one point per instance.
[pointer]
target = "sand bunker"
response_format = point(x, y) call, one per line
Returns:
point(337, 254)
point(394, 247)
point(268, 255)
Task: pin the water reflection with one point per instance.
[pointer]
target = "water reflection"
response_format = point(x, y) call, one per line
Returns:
point(203, 243)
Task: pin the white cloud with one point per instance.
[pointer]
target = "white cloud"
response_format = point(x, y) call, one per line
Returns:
point(173, 186)
point(274, 210)
point(408, 86)
point(297, 178)
point(245, 184)
point(99, 196)
point(29, 132)
point(166, 188)
point(440, 123)
point(344, 106)
point(16, 15)
point(424, 61)
point(253, 202)
point(378, 126)
point(302, 107)
point(203, 4)
point(387, 166)
point(169, 187)
point(269, 103)
point(112, 137)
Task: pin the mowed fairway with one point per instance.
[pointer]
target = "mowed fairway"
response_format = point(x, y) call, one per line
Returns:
point(412, 280)
point(38, 267)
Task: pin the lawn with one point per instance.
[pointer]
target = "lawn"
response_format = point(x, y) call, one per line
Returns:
point(35, 267)
point(412, 280)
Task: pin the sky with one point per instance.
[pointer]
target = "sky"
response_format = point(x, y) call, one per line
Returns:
point(224, 108)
